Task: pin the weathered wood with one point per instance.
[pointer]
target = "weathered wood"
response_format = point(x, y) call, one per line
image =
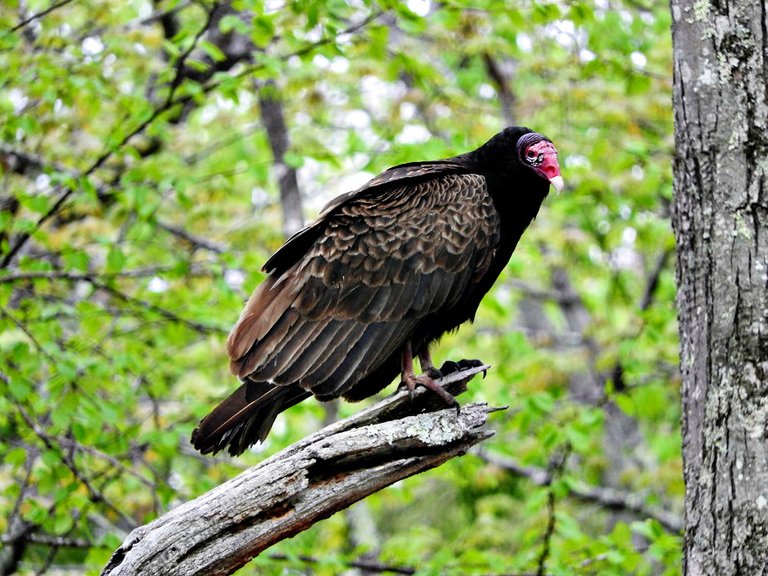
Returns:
point(720, 218)
point(221, 530)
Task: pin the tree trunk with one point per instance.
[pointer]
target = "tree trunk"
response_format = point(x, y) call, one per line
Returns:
point(720, 220)
point(272, 117)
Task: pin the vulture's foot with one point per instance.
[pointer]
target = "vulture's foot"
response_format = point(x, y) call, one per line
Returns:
point(411, 380)
point(428, 378)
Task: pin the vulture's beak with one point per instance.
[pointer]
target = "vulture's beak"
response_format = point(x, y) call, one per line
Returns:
point(557, 183)
point(550, 169)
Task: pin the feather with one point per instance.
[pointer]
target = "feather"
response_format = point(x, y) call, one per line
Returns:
point(357, 361)
point(253, 361)
point(333, 331)
point(263, 309)
point(289, 349)
point(234, 418)
point(334, 353)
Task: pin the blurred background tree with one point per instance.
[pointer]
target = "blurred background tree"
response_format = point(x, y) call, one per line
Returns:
point(155, 153)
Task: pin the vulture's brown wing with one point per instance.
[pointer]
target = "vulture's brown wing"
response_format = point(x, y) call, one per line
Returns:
point(404, 174)
point(379, 264)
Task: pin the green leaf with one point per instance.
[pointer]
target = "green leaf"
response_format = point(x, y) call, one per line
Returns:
point(115, 260)
point(262, 30)
point(233, 23)
point(39, 203)
point(62, 523)
point(34, 512)
point(19, 389)
point(293, 159)
point(15, 456)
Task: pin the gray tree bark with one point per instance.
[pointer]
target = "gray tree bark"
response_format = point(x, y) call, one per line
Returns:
point(272, 117)
point(720, 219)
point(220, 531)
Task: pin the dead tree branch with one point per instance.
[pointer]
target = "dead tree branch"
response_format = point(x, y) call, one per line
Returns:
point(222, 530)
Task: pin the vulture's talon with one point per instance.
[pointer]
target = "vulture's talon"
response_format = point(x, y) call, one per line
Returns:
point(449, 367)
point(407, 384)
point(473, 363)
point(434, 373)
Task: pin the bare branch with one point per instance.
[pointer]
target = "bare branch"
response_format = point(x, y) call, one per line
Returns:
point(86, 276)
point(557, 465)
point(609, 498)
point(221, 530)
point(365, 565)
point(167, 314)
point(50, 540)
point(38, 15)
point(507, 97)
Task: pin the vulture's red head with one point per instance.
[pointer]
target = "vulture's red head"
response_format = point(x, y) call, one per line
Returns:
point(537, 152)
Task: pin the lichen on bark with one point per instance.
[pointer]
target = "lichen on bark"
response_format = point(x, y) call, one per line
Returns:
point(720, 218)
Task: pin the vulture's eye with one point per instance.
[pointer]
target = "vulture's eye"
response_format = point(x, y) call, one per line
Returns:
point(533, 157)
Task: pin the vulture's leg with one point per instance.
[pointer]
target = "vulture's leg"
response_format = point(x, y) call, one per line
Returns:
point(425, 359)
point(411, 380)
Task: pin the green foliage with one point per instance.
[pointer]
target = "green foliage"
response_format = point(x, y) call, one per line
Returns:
point(150, 202)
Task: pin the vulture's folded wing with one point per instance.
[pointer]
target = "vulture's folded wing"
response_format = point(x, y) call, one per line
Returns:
point(378, 266)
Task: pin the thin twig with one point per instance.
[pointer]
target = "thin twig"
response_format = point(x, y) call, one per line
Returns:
point(50, 540)
point(93, 494)
point(37, 16)
point(187, 236)
point(72, 444)
point(181, 73)
point(20, 325)
point(17, 529)
point(365, 565)
point(557, 466)
point(88, 276)
point(608, 498)
point(165, 313)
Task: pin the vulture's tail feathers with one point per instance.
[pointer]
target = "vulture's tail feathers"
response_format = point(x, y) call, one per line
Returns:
point(245, 417)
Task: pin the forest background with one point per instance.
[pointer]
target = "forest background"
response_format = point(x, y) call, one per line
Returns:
point(154, 154)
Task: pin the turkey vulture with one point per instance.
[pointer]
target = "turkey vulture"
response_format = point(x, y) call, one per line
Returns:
point(380, 275)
